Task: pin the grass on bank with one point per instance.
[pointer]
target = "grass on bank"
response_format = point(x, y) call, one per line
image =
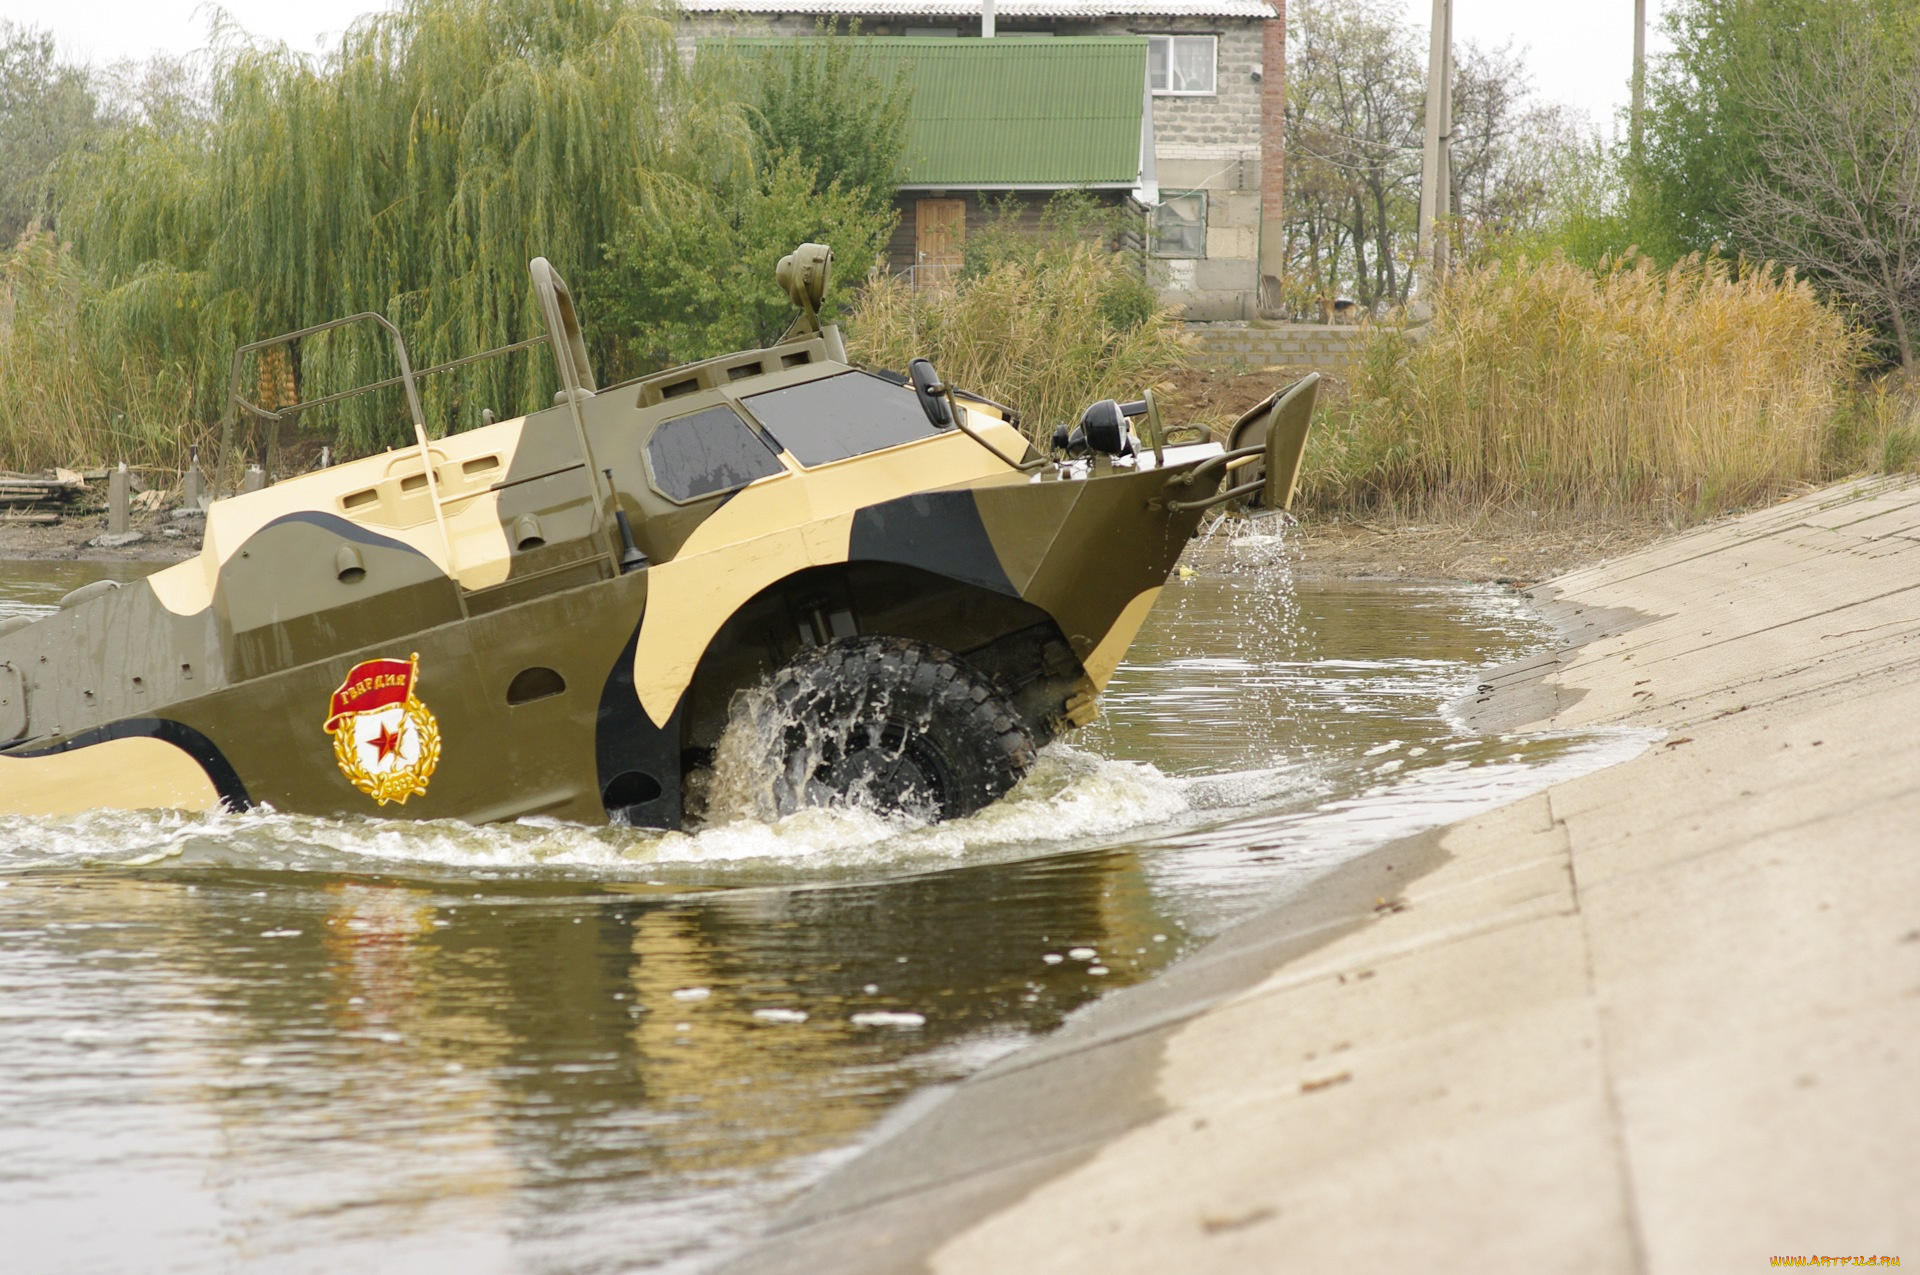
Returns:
point(1048, 336)
point(1545, 384)
point(1537, 385)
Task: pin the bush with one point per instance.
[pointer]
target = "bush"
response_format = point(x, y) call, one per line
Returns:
point(1704, 387)
point(821, 101)
point(693, 276)
point(413, 171)
point(1879, 428)
point(1031, 334)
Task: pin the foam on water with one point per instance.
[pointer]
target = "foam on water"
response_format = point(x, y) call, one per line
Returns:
point(1071, 798)
point(1212, 710)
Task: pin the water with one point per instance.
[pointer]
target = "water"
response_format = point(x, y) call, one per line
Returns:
point(265, 1042)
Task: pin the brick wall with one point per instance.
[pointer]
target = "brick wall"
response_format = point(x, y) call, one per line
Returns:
point(1211, 143)
point(1250, 345)
point(1230, 117)
point(1273, 154)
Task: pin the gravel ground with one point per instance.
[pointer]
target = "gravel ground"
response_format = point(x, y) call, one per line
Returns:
point(163, 539)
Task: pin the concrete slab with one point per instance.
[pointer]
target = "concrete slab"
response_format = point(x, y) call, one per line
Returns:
point(1664, 1017)
point(1324, 1111)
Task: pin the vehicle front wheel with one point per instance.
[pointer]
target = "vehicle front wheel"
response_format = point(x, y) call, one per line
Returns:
point(891, 724)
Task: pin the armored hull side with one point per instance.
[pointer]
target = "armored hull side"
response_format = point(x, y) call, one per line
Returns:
point(138, 697)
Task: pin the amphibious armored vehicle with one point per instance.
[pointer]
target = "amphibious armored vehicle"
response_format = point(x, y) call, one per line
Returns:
point(560, 614)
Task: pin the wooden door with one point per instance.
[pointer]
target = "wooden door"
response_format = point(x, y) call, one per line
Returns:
point(939, 236)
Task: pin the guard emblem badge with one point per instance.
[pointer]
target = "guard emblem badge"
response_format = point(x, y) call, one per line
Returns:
point(385, 739)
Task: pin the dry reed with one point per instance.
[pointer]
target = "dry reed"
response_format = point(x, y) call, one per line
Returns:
point(1035, 335)
point(68, 395)
point(1545, 384)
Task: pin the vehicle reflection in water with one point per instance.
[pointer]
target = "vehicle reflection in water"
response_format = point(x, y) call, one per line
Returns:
point(524, 1066)
point(267, 1042)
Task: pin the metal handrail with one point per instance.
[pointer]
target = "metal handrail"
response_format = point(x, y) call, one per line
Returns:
point(1219, 498)
point(563, 336)
point(294, 409)
point(576, 381)
point(1010, 414)
point(1211, 463)
point(958, 415)
point(414, 409)
point(236, 402)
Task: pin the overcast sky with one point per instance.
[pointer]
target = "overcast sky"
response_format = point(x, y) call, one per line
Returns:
point(1579, 53)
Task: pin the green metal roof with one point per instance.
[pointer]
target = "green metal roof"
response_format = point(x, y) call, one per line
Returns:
point(1011, 112)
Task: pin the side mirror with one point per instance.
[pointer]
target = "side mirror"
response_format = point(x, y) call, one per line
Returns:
point(931, 393)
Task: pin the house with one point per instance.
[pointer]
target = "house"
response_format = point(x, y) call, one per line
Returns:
point(1031, 97)
point(1001, 126)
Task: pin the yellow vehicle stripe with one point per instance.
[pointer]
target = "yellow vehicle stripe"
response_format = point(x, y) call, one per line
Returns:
point(772, 529)
point(137, 773)
point(1106, 655)
point(472, 508)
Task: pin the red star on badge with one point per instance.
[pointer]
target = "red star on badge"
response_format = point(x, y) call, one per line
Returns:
point(387, 742)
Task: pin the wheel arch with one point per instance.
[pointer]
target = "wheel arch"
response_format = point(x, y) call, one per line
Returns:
point(1009, 637)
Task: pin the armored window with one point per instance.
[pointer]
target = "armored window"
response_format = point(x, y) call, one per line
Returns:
point(840, 416)
point(1181, 64)
point(1180, 224)
point(707, 452)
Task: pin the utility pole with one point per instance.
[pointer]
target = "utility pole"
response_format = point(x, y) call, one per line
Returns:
point(1443, 204)
point(986, 19)
point(1436, 177)
point(1639, 77)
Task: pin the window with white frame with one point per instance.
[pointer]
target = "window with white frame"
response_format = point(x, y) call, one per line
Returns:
point(1180, 224)
point(1181, 64)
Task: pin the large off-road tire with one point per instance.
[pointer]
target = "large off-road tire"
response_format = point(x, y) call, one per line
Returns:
point(895, 725)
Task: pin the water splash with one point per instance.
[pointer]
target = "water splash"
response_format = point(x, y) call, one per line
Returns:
point(1070, 798)
point(850, 724)
point(738, 786)
point(1261, 558)
point(1258, 557)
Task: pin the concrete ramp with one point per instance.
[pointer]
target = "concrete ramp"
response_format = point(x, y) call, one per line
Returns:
point(1664, 1017)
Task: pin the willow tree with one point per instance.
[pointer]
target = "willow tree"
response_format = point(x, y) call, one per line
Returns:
point(413, 171)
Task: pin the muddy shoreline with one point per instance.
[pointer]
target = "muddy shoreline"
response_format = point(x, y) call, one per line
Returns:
point(163, 540)
point(1505, 548)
